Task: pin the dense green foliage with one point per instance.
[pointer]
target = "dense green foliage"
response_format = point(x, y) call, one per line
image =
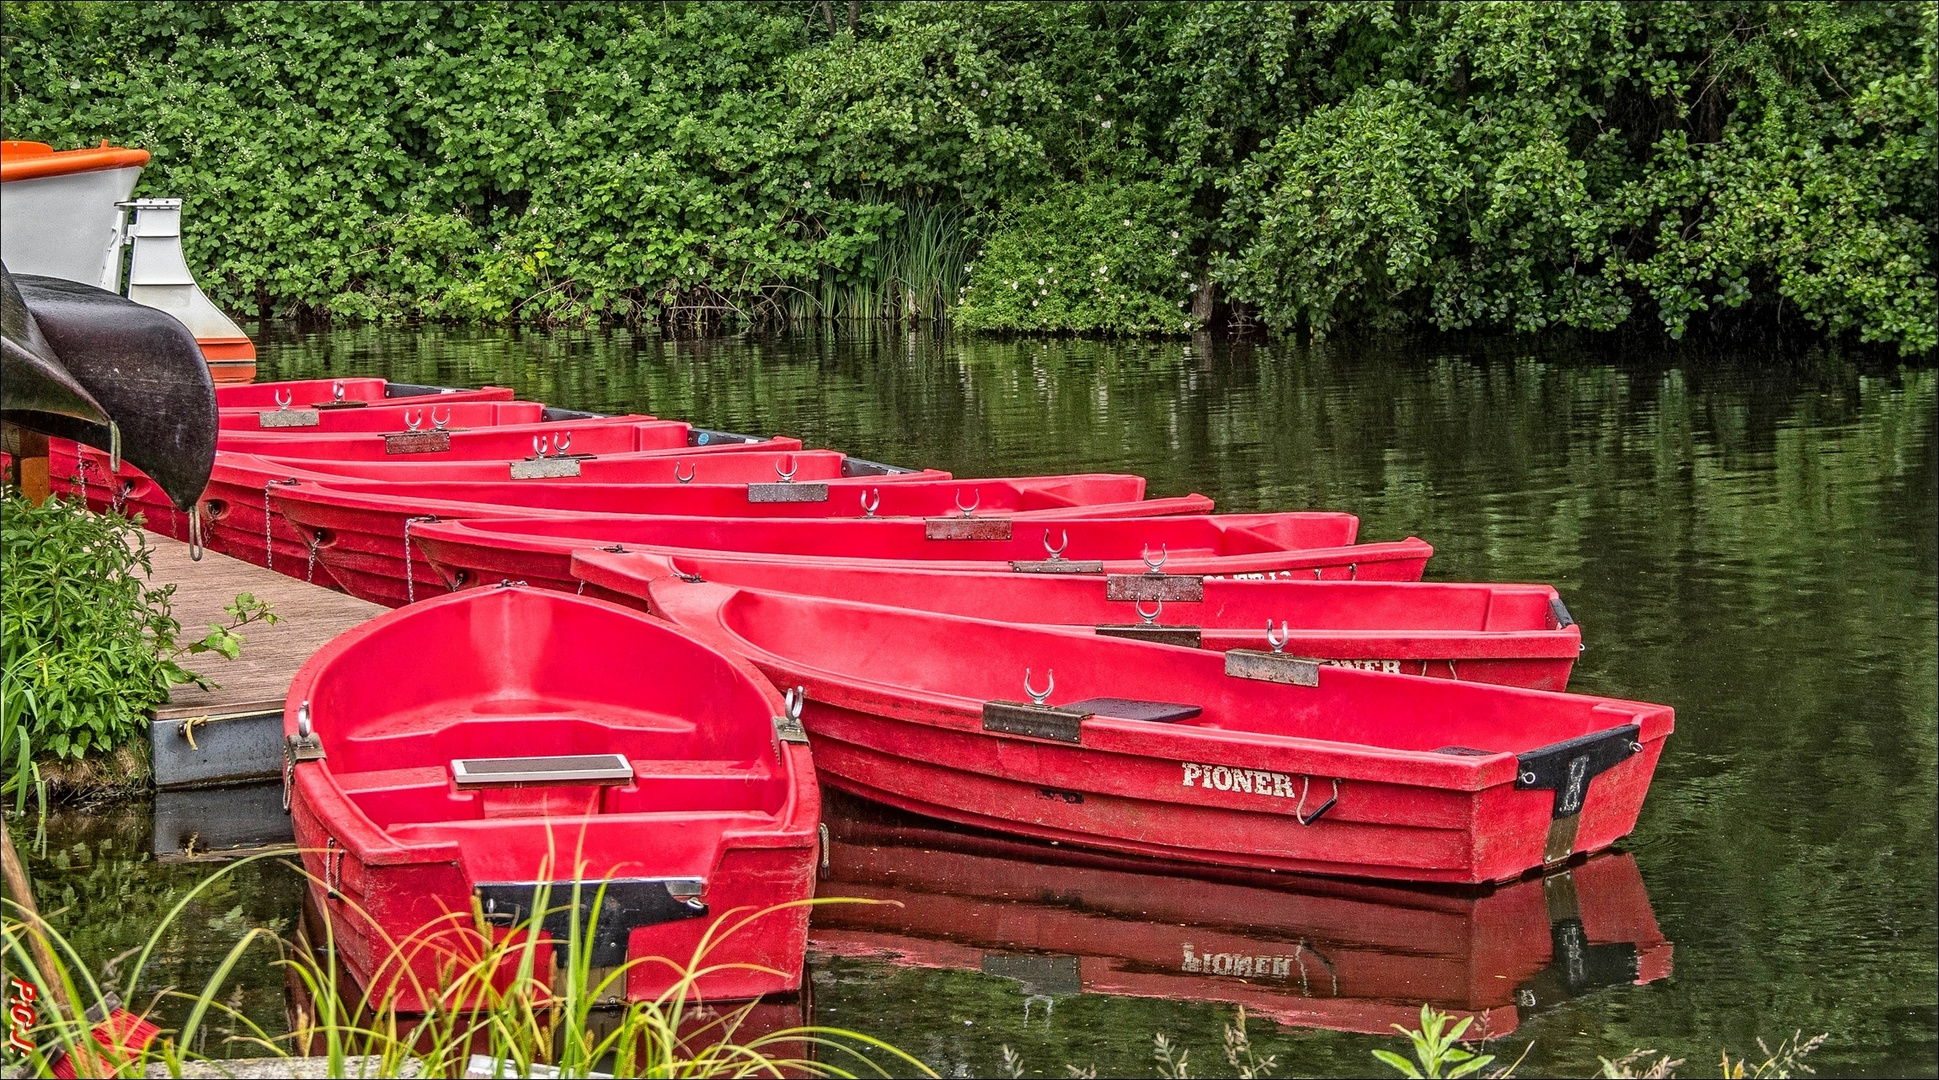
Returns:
point(89, 646)
point(1488, 165)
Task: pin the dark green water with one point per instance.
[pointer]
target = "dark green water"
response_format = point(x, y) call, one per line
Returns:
point(1750, 539)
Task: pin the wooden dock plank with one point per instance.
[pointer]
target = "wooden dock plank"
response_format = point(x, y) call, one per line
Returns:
point(310, 615)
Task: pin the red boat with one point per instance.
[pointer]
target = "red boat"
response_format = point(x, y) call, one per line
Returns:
point(507, 442)
point(402, 415)
point(539, 549)
point(1315, 952)
point(236, 499)
point(1514, 635)
point(311, 393)
point(690, 797)
point(1246, 758)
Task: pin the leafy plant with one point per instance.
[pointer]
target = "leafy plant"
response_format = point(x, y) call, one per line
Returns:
point(1325, 165)
point(1436, 1049)
point(90, 647)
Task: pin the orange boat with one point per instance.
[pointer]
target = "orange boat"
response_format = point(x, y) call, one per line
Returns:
point(67, 214)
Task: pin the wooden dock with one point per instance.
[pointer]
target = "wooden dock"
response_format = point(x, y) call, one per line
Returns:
point(233, 733)
point(309, 616)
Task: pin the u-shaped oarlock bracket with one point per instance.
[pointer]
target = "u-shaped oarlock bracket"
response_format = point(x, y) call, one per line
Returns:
point(1152, 619)
point(1050, 679)
point(1285, 635)
point(1299, 812)
point(1155, 565)
point(692, 471)
point(976, 500)
point(538, 446)
point(283, 399)
point(413, 420)
point(869, 508)
point(787, 474)
point(437, 424)
point(1056, 552)
point(792, 700)
point(336, 390)
point(561, 442)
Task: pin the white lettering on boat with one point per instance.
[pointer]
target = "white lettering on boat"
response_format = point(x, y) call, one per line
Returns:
point(1390, 667)
point(1233, 778)
point(1243, 965)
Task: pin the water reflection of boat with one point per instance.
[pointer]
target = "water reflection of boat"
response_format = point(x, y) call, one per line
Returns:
point(1344, 955)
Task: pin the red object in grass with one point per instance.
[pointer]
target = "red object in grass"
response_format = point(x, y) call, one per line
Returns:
point(1222, 759)
point(1513, 635)
point(474, 745)
point(121, 1038)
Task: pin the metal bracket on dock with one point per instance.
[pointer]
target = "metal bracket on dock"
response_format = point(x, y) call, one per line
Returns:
point(965, 528)
point(1187, 636)
point(417, 442)
point(1035, 721)
point(281, 418)
point(787, 491)
point(1182, 588)
point(551, 468)
point(1272, 667)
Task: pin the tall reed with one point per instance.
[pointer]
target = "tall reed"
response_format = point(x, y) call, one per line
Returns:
point(493, 1000)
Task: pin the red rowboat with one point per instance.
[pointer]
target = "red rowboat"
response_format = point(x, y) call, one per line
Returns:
point(539, 549)
point(1316, 952)
point(1514, 635)
point(507, 442)
point(310, 393)
point(404, 415)
point(1236, 759)
point(691, 797)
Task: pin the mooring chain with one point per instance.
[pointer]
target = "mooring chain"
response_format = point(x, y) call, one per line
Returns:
point(410, 586)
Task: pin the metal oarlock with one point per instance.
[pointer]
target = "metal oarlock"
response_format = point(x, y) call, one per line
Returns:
point(1056, 551)
point(976, 500)
point(538, 446)
point(869, 508)
point(1285, 635)
point(1152, 619)
point(283, 399)
point(561, 441)
point(1299, 812)
point(437, 424)
point(413, 420)
point(1155, 566)
point(692, 471)
point(336, 391)
point(1036, 698)
point(196, 547)
point(787, 474)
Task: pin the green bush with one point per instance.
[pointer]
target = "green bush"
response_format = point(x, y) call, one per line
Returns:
point(90, 648)
point(1090, 257)
point(1513, 166)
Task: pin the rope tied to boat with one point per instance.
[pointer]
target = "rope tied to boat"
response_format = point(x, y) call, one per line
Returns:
point(410, 585)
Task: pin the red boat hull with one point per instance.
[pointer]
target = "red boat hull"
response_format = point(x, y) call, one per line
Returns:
point(539, 550)
point(1315, 952)
point(1513, 635)
point(1421, 778)
point(395, 842)
point(395, 415)
point(307, 393)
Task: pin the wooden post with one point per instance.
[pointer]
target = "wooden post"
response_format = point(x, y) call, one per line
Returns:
point(29, 450)
point(21, 892)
